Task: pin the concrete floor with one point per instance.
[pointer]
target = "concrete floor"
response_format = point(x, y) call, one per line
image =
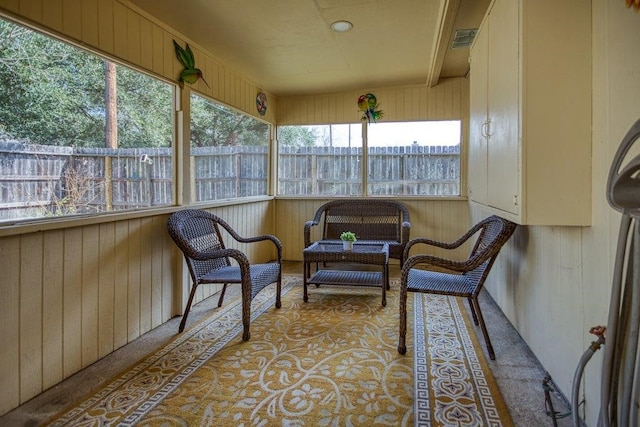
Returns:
point(517, 371)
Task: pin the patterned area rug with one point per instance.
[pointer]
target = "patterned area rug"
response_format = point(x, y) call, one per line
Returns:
point(331, 361)
point(453, 384)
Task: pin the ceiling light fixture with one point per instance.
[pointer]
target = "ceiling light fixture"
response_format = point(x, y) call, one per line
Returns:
point(341, 26)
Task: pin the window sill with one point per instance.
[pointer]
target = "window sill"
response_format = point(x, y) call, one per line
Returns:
point(35, 225)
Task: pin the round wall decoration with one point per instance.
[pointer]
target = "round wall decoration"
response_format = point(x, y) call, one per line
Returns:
point(261, 103)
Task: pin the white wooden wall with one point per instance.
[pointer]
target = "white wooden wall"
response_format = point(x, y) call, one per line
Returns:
point(70, 296)
point(438, 218)
point(444, 220)
point(554, 283)
point(74, 295)
point(449, 100)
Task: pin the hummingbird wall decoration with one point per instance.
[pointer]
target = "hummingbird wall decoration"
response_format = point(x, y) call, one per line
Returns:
point(190, 74)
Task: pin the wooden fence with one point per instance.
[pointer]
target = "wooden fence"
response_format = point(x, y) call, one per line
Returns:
point(406, 170)
point(229, 172)
point(39, 181)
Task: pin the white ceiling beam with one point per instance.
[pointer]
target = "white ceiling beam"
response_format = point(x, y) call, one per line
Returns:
point(448, 13)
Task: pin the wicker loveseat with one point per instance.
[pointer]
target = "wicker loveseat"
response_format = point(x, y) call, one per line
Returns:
point(372, 220)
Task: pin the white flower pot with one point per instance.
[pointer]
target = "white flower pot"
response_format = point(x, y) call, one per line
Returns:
point(347, 245)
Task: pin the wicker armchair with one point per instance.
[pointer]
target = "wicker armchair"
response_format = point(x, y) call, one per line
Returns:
point(459, 278)
point(198, 235)
point(372, 220)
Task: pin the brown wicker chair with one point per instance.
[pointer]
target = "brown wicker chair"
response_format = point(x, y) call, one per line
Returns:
point(459, 278)
point(372, 220)
point(198, 235)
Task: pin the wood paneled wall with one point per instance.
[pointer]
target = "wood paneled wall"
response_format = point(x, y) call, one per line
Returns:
point(449, 100)
point(552, 282)
point(71, 296)
point(437, 219)
point(74, 295)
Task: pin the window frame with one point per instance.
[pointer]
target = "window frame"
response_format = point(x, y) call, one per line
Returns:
point(190, 174)
point(180, 148)
point(13, 226)
point(462, 153)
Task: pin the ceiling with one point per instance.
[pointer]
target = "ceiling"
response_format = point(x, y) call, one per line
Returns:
point(288, 48)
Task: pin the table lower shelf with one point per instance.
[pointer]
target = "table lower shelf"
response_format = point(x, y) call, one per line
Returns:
point(350, 278)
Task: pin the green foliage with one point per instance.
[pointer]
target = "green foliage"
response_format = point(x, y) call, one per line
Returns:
point(297, 136)
point(52, 93)
point(214, 124)
point(145, 117)
point(348, 236)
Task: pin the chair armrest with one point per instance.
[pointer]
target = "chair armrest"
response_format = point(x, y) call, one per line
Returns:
point(424, 241)
point(207, 255)
point(315, 221)
point(451, 265)
point(254, 239)
point(406, 223)
point(307, 232)
point(273, 239)
point(439, 244)
point(468, 264)
point(405, 228)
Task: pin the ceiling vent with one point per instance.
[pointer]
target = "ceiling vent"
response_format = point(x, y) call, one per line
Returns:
point(463, 38)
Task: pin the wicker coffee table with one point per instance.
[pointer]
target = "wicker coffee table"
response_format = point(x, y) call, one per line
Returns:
point(331, 252)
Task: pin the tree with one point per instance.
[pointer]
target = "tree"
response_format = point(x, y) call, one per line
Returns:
point(111, 104)
point(297, 136)
point(145, 110)
point(35, 102)
point(52, 93)
point(214, 124)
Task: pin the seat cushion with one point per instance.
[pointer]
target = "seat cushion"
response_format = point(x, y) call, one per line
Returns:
point(261, 276)
point(439, 283)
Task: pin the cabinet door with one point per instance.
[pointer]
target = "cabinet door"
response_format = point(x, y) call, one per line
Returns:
point(503, 150)
point(478, 123)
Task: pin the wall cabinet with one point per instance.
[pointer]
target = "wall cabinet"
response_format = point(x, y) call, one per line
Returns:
point(530, 106)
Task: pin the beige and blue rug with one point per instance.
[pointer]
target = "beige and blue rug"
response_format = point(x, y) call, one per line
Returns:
point(330, 362)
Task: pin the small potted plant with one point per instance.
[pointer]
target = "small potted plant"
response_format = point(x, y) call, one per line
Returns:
point(347, 238)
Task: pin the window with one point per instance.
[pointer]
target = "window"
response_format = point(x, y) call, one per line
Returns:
point(229, 152)
point(403, 159)
point(320, 160)
point(79, 134)
point(414, 158)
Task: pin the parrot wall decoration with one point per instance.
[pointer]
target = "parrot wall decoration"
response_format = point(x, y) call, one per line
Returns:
point(368, 104)
point(190, 74)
